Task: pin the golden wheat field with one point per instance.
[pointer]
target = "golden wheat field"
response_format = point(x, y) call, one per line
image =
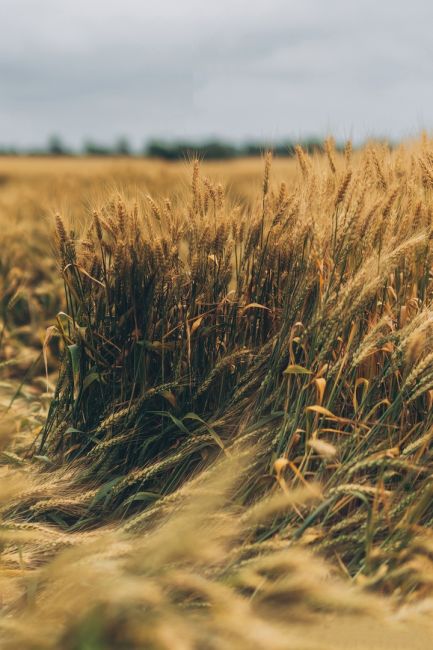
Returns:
point(216, 399)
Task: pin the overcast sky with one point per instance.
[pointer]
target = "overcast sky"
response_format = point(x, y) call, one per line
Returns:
point(193, 68)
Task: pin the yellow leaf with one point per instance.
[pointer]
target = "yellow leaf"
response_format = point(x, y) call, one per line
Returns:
point(365, 383)
point(321, 386)
point(255, 305)
point(321, 410)
point(329, 430)
point(293, 369)
point(196, 324)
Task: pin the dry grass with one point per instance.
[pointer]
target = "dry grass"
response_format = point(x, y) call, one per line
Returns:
point(283, 325)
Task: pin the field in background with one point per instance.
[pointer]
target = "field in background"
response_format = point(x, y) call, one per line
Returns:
point(33, 190)
point(224, 438)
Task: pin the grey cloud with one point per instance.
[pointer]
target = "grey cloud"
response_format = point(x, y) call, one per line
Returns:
point(194, 68)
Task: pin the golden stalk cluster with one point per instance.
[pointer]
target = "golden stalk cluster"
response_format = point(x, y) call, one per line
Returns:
point(286, 328)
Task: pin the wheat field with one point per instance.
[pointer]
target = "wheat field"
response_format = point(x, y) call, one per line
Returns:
point(217, 401)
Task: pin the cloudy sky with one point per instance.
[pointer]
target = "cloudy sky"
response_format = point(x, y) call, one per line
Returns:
point(194, 68)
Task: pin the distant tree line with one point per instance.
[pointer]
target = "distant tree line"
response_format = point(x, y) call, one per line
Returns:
point(170, 150)
point(220, 150)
